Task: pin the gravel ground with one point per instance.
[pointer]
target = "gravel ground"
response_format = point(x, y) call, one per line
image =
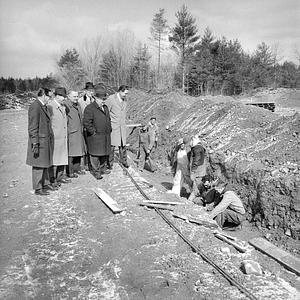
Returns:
point(70, 246)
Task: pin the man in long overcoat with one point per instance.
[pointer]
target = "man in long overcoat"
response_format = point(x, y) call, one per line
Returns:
point(40, 143)
point(97, 123)
point(58, 116)
point(76, 146)
point(117, 106)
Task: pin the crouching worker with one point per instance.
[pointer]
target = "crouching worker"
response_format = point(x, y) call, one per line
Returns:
point(180, 167)
point(206, 193)
point(229, 213)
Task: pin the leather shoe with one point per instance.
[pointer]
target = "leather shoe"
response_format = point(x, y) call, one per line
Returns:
point(41, 192)
point(72, 175)
point(126, 165)
point(65, 180)
point(106, 172)
point(50, 187)
point(81, 172)
point(98, 177)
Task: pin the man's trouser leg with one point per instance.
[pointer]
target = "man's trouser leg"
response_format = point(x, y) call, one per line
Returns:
point(70, 166)
point(141, 159)
point(123, 154)
point(229, 216)
point(76, 163)
point(40, 177)
point(110, 160)
point(59, 173)
point(95, 164)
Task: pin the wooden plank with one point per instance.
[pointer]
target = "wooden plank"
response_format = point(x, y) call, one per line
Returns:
point(234, 244)
point(134, 125)
point(289, 261)
point(197, 221)
point(108, 201)
point(163, 202)
point(233, 238)
point(150, 205)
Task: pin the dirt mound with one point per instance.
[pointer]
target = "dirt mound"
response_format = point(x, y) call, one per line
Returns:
point(254, 149)
point(13, 101)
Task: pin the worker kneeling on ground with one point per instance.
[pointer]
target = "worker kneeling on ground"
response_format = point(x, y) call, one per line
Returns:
point(230, 211)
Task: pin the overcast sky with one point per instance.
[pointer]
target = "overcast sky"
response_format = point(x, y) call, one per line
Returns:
point(33, 32)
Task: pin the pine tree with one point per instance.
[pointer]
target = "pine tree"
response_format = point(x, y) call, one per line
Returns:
point(183, 38)
point(159, 30)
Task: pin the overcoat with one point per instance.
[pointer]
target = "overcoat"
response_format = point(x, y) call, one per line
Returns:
point(117, 110)
point(76, 146)
point(97, 123)
point(39, 131)
point(59, 126)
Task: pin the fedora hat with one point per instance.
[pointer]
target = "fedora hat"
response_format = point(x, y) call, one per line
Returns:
point(89, 86)
point(100, 91)
point(61, 91)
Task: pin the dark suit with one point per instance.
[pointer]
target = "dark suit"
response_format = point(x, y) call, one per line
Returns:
point(97, 123)
point(39, 134)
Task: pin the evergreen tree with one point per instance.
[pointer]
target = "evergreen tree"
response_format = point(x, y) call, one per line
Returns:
point(70, 71)
point(159, 30)
point(183, 38)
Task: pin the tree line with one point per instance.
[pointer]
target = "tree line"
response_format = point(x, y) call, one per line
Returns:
point(174, 57)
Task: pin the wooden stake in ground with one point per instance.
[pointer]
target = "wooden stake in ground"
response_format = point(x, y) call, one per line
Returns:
point(108, 201)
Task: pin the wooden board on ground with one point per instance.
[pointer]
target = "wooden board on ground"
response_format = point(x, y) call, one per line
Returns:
point(151, 205)
point(230, 242)
point(163, 202)
point(291, 262)
point(108, 201)
point(197, 221)
point(133, 125)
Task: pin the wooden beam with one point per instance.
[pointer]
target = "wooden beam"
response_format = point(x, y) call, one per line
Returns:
point(234, 244)
point(197, 221)
point(289, 261)
point(163, 202)
point(150, 205)
point(108, 201)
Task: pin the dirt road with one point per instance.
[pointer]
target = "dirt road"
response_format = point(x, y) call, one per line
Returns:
point(70, 246)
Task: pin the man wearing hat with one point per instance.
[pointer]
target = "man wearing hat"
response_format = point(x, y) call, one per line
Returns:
point(117, 106)
point(86, 99)
point(180, 167)
point(76, 145)
point(87, 96)
point(59, 124)
point(97, 123)
point(40, 143)
point(198, 164)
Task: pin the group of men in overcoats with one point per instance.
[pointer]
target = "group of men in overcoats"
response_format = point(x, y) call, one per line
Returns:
point(67, 132)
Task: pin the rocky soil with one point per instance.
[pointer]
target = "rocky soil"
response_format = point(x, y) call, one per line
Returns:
point(254, 149)
point(69, 245)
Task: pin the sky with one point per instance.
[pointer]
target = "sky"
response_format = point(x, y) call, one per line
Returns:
point(34, 32)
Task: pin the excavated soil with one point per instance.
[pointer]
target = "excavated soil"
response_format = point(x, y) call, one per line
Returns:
point(69, 245)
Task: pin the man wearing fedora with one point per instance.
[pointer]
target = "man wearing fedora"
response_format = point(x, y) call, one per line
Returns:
point(97, 123)
point(40, 143)
point(58, 116)
point(86, 99)
point(76, 145)
point(117, 106)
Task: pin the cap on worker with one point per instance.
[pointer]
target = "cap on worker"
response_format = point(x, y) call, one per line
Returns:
point(100, 91)
point(153, 118)
point(61, 91)
point(89, 86)
point(181, 141)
